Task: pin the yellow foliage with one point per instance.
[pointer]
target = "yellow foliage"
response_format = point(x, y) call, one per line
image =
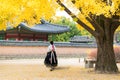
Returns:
point(75, 19)
point(82, 17)
point(118, 29)
point(98, 7)
point(79, 27)
point(16, 11)
point(62, 8)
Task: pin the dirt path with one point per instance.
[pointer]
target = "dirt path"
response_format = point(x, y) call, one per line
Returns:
point(35, 70)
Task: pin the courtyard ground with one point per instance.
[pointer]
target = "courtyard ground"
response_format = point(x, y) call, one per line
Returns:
point(34, 69)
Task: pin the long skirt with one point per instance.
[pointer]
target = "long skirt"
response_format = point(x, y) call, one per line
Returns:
point(51, 59)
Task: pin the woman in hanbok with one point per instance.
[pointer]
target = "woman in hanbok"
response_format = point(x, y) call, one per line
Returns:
point(51, 58)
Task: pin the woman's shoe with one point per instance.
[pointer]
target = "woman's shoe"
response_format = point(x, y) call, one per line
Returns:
point(51, 69)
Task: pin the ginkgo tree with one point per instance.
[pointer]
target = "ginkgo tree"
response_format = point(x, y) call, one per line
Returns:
point(13, 12)
point(101, 18)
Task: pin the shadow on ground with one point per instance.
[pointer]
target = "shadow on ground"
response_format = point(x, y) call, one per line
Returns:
point(61, 68)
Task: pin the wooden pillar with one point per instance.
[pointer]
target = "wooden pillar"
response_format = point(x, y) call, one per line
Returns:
point(33, 37)
point(5, 36)
point(46, 37)
point(19, 37)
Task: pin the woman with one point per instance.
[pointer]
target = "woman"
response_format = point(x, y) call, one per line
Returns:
point(51, 58)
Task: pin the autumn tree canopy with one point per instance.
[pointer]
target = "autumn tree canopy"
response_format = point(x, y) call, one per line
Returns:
point(13, 12)
point(83, 9)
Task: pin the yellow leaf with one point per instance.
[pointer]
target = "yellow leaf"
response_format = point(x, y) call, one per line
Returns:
point(75, 19)
point(62, 8)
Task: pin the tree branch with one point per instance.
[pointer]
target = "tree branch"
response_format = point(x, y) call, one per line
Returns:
point(115, 25)
point(94, 33)
point(115, 22)
point(95, 24)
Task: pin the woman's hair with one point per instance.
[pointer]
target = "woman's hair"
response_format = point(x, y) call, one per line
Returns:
point(51, 42)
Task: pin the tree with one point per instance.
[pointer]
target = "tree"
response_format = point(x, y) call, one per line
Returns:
point(66, 36)
point(103, 15)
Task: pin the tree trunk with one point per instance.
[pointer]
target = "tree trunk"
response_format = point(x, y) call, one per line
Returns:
point(105, 56)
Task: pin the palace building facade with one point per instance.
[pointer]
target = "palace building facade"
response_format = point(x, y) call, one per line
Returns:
point(38, 32)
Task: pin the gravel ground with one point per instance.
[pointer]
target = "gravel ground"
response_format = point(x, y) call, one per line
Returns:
point(61, 61)
point(34, 69)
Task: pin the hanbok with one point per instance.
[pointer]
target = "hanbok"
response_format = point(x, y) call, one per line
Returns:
point(51, 59)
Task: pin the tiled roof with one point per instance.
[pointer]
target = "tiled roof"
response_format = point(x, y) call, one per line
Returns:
point(46, 27)
point(82, 39)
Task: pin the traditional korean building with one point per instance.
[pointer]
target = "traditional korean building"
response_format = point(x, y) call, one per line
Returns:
point(82, 39)
point(38, 32)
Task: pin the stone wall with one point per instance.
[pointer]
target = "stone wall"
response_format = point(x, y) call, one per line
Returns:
point(40, 51)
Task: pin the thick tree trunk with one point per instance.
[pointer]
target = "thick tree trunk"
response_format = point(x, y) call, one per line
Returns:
point(105, 56)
